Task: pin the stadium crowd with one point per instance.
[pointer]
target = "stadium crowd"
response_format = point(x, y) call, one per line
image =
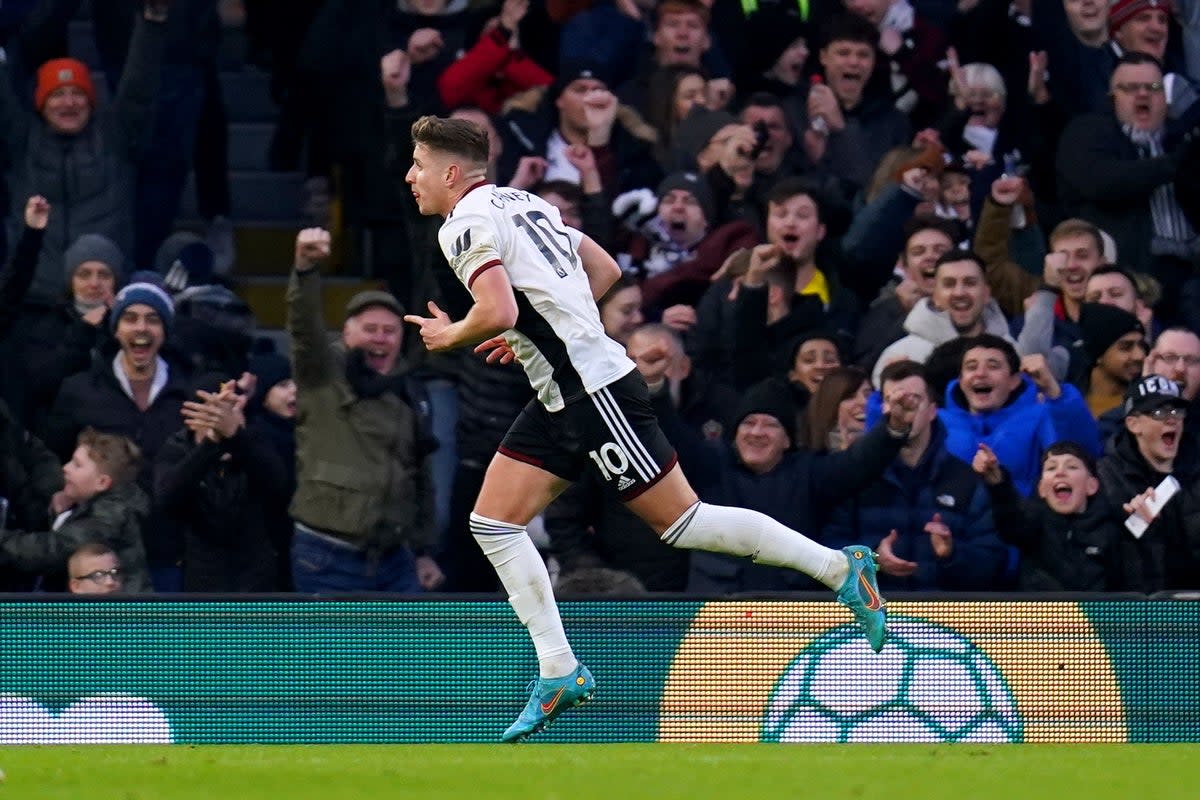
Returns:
point(993, 203)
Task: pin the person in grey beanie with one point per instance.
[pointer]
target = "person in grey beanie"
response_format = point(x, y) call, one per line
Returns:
point(49, 340)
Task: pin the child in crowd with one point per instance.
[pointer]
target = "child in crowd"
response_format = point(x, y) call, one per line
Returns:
point(99, 502)
point(1068, 536)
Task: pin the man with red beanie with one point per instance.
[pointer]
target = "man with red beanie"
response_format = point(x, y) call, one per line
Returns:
point(80, 159)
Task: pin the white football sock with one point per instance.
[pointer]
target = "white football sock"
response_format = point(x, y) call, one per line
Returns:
point(524, 576)
point(742, 532)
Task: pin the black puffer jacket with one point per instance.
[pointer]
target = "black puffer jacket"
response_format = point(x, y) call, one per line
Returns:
point(1168, 553)
point(1060, 552)
point(89, 177)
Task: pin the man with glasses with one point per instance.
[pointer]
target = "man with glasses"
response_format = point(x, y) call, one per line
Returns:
point(1149, 449)
point(94, 569)
point(1176, 356)
point(1116, 170)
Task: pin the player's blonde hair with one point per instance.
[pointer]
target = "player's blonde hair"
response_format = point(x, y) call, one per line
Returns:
point(459, 137)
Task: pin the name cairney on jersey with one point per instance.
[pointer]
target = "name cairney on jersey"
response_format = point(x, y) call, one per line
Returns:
point(558, 338)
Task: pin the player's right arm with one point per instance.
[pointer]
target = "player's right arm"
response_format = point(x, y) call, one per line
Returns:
point(601, 268)
point(495, 311)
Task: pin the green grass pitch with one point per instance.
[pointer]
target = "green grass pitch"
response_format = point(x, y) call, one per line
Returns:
point(602, 772)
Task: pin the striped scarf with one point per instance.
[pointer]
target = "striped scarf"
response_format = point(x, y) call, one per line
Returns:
point(1173, 234)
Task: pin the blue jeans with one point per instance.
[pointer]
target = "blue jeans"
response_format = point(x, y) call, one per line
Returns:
point(324, 565)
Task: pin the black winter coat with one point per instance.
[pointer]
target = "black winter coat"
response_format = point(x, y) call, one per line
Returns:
point(219, 495)
point(1060, 552)
point(1168, 554)
point(95, 399)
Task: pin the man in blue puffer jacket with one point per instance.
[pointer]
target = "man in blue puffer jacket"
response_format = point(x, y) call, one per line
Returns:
point(928, 515)
point(1016, 415)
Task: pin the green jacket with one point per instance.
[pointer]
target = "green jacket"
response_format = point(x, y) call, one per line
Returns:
point(114, 517)
point(362, 463)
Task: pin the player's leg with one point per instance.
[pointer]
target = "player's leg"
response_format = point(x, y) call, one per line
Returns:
point(513, 493)
point(528, 473)
point(672, 509)
point(653, 486)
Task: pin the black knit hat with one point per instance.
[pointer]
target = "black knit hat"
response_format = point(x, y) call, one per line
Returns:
point(1102, 325)
point(772, 397)
point(696, 185)
point(571, 71)
point(698, 129)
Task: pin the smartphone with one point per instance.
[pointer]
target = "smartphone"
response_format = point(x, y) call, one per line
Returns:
point(1162, 493)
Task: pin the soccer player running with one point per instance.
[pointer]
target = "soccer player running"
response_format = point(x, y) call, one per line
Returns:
point(535, 283)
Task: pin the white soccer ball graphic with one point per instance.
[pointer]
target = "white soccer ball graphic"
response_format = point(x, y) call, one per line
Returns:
point(929, 684)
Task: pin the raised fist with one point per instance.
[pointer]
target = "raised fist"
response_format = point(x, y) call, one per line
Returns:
point(312, 247)
point(394, 71)
point(1007, 190)
point(37, 212)
point(424, 45)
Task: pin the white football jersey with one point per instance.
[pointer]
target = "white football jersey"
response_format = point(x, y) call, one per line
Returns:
point(558, 337)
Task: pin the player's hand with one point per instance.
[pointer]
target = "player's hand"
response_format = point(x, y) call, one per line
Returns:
point(432, 327)
point(1137, 505)
point(1007, 190)
point(680, 318)
point(424, 45)
point(940, 537)
point(497, 349)
point(312, 247)
point(429, 574)
point(889, 562)
point(37, 212)
point(987, 466)
point(1038, 370)
point(530, 171)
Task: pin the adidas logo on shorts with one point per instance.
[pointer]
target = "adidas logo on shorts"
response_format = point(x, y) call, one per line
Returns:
point(624, 483)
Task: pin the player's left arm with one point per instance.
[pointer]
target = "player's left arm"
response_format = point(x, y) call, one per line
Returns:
point(494, 311)
point(601, 268)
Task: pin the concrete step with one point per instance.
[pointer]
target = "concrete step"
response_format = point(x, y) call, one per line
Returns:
point(267, 297)
point(81, 42)
point(249, 143)
point(247, 95)
point(256, 195)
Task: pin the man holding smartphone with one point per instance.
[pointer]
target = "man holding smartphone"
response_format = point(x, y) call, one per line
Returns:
point(1147, 460)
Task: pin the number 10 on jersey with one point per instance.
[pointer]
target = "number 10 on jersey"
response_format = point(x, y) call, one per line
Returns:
point(546, 238)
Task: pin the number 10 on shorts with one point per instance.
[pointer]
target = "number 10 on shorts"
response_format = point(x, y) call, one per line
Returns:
point(611, 460)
